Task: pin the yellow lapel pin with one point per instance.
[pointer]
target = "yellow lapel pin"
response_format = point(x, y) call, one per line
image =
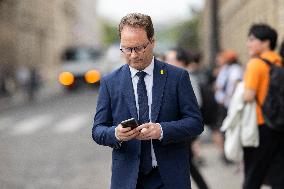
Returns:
point(162, 72)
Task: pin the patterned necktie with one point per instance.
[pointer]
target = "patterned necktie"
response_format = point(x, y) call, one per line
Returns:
point(145, 158)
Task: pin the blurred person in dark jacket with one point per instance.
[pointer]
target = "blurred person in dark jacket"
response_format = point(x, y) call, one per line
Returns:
point(281, 51)
point(180, 58)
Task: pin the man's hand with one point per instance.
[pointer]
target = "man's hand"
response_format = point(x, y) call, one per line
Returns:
point(125, 134)
point(149, 131)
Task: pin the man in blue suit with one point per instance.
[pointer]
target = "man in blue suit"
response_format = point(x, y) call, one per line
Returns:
point(159, 96)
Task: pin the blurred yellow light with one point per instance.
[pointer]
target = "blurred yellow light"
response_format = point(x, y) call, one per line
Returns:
point(66, 78)
point(92, 76)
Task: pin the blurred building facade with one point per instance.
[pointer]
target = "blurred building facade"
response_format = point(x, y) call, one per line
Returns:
point(33, 34)
point(235, 19)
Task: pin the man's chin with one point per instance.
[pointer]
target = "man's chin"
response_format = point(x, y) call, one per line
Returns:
point(136, 65)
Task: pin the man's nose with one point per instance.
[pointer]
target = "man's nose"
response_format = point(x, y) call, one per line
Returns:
point(133, 54)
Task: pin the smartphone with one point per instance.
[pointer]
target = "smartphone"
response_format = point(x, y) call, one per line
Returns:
point(129, 123)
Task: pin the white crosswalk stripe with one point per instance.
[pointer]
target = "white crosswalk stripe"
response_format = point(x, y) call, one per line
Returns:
point(72, 123)
point(32, 124)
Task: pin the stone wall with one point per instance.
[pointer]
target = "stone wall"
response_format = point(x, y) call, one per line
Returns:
point(33, 33)
point(236, 17)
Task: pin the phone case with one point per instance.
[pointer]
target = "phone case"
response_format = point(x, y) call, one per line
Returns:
point(129, 123)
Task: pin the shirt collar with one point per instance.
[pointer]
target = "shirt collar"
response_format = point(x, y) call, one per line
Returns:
point(149, 69)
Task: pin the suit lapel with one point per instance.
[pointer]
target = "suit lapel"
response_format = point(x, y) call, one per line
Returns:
point(159, 81)
point(128, 92)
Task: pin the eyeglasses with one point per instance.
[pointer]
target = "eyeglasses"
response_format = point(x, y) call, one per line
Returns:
point(139, 49)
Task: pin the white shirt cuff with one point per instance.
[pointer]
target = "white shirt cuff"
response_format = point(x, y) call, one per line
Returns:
point(161, 132)
point(119, 140)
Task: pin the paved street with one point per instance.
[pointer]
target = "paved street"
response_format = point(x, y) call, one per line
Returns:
point(48, 145)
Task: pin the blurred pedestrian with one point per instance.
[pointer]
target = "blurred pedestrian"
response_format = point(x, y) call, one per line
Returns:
point(155, 154)
point(33, 83)
point(180, 58)
point(209, 105)
point(29, 81)
point(3, 87)
point(281, 51)
point(160, 56)
point(269, 155)
point(23, 76)
point(199, 80)
point(229, 75)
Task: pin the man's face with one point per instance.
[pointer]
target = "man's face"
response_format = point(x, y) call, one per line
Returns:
point(255, 46)
point(142, 48)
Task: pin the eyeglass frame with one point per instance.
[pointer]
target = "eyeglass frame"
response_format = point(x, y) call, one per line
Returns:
point(131, 49)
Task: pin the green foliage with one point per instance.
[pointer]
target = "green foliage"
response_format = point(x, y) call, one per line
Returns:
point(184, 34)
point(110, 34)
point(189, 35)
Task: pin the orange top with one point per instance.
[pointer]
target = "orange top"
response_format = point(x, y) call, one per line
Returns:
point(256, 78)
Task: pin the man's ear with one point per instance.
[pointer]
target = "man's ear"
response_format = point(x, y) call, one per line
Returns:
point(153, 40)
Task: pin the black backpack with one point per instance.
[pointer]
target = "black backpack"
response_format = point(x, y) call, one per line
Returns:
point(273, 106)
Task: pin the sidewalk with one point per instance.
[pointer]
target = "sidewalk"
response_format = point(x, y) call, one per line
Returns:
point(218, 175)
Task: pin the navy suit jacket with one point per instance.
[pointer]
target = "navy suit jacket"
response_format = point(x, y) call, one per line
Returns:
point(174, 106)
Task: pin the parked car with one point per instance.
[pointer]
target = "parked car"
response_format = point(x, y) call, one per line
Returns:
point(80, 66)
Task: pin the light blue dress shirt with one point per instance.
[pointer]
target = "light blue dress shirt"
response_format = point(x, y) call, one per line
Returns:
point(149, 84)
